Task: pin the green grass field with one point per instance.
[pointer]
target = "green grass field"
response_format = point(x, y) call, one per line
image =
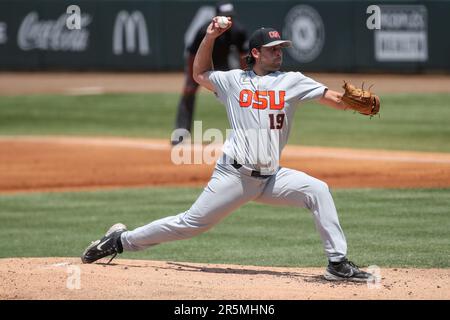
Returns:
point(389, 228)
point(407, 122)
point(406, 227)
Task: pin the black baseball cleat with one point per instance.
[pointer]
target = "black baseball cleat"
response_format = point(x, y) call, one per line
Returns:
point(346, 271)
point(109, 245)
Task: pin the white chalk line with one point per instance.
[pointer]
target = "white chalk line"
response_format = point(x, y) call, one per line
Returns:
point(55, 265)
point(85, 91)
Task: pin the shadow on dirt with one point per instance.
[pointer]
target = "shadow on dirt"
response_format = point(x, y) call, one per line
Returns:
point(306, 277)
point(184, 267)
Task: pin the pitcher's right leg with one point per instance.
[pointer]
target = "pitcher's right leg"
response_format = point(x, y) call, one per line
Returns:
point(295, 188)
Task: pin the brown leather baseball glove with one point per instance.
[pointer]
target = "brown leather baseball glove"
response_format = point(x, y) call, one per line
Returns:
point(363, 101)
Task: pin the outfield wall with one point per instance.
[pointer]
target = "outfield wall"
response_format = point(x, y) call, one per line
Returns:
point(151, 35)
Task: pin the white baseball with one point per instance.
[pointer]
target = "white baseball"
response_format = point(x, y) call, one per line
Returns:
point(222, 22)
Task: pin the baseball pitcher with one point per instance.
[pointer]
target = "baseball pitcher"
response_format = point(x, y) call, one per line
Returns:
point(260, 104)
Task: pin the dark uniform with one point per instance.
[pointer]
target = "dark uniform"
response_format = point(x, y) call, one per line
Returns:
point(236, 37)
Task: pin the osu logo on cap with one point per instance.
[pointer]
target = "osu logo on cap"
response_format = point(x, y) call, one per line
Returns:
point(274, 34)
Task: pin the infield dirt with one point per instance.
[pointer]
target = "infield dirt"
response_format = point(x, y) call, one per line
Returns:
point(13, 83)
point(53, 278)
point(63, 163)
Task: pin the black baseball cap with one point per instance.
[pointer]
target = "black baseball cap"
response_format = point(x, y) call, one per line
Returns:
point(267, 37)
point(225, 8)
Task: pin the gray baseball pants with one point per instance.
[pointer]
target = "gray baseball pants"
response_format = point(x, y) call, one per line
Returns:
point(230, 188)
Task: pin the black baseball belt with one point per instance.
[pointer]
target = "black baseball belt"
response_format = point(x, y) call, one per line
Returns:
point(249, 172)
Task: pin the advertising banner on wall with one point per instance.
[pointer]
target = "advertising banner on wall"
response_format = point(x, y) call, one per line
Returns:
point(153, 35)
point(403, 35)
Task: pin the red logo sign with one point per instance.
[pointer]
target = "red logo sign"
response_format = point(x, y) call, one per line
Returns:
point(274, 34)
point(262, 99)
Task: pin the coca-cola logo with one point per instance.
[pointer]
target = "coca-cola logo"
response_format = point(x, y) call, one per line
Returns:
point(52, 34)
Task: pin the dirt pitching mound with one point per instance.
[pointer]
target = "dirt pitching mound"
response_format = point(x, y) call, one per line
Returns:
point(67, 278)
point(62, 163)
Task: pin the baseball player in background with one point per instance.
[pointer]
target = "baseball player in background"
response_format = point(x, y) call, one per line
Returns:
point(235, 37)
point(260, 104)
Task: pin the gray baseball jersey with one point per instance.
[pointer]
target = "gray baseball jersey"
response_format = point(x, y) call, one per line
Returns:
point(261, 111)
